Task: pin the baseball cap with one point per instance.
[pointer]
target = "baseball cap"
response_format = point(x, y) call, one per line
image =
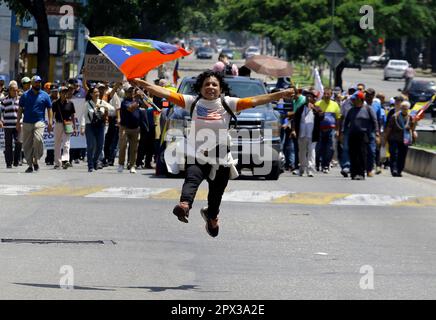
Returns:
point(25, 80)
point(392, 101)
point(100, 85)
point(36, 78)
point(63, 88)
point(370, 91)
point(2, 77)
point(358, 95)
point(399, 98)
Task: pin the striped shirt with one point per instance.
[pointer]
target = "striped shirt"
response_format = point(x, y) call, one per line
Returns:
point(9, 109)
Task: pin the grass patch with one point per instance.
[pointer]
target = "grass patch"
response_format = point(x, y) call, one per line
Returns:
point(425, 146)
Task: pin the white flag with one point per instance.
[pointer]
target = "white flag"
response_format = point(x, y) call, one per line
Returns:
point(318, 84)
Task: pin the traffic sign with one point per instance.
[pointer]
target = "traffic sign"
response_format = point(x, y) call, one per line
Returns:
point(334, 53)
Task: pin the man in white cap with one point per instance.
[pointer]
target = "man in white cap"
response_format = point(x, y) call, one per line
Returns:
point(33, 104)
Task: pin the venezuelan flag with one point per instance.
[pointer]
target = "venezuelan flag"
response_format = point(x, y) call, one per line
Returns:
point(136, 57)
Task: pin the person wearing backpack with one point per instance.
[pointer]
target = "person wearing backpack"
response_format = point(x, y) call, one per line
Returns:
point(225, 66)
point(208, 145)
point(92, 125)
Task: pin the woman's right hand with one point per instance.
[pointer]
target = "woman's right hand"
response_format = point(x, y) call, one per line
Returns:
point(82, 131)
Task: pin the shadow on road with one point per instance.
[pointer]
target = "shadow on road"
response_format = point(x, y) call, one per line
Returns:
point(56, 286)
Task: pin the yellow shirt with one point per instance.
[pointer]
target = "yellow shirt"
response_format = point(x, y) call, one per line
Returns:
point(332, 112)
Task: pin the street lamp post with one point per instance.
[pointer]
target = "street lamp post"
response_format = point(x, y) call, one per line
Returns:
point(333, 37)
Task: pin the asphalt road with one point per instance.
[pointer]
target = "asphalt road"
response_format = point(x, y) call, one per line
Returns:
point(296, 238)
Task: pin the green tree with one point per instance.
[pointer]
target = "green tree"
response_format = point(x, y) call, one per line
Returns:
point(36, 8)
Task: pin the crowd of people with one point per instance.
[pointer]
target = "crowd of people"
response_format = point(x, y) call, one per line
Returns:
point(364, 130)
point(114, 117)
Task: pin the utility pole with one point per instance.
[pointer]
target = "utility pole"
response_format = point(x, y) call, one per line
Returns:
point(333, 37)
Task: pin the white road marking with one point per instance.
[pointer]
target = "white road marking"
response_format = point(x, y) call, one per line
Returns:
point(127, 193)
point(253, 195)
point(370, 200)
point(18, 190)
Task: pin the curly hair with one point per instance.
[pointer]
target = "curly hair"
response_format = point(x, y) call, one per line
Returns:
point(196, 87)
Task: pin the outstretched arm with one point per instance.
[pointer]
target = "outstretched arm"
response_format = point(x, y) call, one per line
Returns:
point(264, 99)
point(155, 90)
point(160, 92)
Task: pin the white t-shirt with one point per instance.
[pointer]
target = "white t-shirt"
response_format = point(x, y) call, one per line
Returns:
point(210, 123)
point(307, 123)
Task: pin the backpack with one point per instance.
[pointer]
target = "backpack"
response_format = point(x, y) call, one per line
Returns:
point(224, 104)
point(228, 69)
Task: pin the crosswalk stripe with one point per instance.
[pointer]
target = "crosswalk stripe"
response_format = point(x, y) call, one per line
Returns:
point(126, 193)
point(18, 190)
point(67, 191)
point(253, 195)
point(311, 198)
point(369, 200)
point(259, 196)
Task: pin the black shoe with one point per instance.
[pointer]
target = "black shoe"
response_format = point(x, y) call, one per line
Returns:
point(182, 211)
point(29, 170)
point(399, 174)
point(9, 166)
point(394, 173)
point(359, 178)
point(344, 173)
point(90, 169)
point(36, 167)
point(212, 227)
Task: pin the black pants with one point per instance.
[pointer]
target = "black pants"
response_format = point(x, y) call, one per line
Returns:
point(195, 174)
point(398, 153)
point(12, 151)
point(111, 142)
point(358, 148)
point(146, 148)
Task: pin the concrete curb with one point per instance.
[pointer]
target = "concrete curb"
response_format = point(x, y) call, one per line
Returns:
point(421, 163)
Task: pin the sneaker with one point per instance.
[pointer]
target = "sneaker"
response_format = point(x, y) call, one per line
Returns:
point(378, 170)
point(295, 172)
point(77, 161)
point(344, 173)
point(29, 170)
point(132, 170)
point(310, 174)
point(56, 167)
point(370, 174)
point(212, 227)
point(66, 165)
point(182, 211)
point(300, 173)
point(325, 170)
point(359, 178)
point(120, 168)
point(90, 169)
point(35, 166)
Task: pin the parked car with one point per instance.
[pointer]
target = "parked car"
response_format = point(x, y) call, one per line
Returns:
point(395, 69)
point(253, 121)
point(228, 52)
point(204, 53)
point(379, 60)
point(420, 91)
point(251, 51)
